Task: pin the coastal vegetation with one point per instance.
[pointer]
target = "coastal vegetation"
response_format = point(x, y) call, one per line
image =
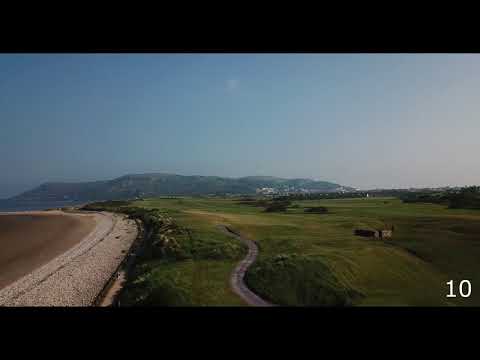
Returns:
point(464, 198)
point(316, 210)
point(178, 265)
point(309, 257)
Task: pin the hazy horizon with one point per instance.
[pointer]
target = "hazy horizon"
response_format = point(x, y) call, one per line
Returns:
point(29, 187)
point(361, 120)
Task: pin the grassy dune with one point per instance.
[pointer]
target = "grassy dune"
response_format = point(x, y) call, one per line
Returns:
point(308, 259)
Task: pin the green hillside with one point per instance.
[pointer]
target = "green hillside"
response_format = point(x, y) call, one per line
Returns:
point(158, 184)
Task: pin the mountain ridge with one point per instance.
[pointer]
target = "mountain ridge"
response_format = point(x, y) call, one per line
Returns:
point(157, 184)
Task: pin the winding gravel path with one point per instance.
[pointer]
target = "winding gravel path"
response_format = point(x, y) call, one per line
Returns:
point(76, 277)
point(237, 278)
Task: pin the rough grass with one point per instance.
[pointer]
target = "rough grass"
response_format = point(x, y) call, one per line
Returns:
point(186, 261)
point(299, 280)
point(184, 283)
point(312, 259)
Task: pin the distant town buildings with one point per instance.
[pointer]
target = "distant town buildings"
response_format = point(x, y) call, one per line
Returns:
point(266, 191)
point(288, 190)
point(292, 190)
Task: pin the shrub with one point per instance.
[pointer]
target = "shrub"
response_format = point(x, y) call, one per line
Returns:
point(153, 288)
point(466, 198)
point(166, 293)
point(316, 209)
point(299, 280)
point(276, 208)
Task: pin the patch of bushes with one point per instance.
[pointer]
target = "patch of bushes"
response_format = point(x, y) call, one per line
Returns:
point(298, 280)
point(275, 205)
point(167, 239)
point(316, 210)
point(215, 250)
point(433, 198)
point(465, 198)
point(278, 206)
point(166, 293)
point(187, 244)
point(254, 202)
point(149, 287)
point(160, 229)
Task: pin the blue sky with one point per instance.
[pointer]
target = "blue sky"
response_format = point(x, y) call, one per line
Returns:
point(365, 120)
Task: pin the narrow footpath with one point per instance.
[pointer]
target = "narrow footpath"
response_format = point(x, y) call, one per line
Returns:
point(237, 278)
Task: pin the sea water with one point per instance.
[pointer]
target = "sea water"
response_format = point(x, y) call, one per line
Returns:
point(8, 205)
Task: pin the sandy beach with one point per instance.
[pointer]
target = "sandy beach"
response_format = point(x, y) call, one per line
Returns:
point(54, 258)
point(31, 239)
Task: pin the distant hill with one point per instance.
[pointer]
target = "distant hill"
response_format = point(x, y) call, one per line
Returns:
point(156, 184)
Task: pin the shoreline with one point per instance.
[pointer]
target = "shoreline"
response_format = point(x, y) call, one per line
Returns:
point(30, 239)
point(78, 275)
point(17, 207)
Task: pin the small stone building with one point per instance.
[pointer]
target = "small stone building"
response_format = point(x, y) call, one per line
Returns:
point(382, 234)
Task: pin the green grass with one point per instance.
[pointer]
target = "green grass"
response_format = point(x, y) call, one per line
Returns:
point(194, 273)
point(323, 262)
point(183, 283)
point(292, 279)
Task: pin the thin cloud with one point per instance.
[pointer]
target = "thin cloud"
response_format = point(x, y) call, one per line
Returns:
point(232, 84)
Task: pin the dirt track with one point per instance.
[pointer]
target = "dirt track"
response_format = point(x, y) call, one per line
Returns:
point(237, 278)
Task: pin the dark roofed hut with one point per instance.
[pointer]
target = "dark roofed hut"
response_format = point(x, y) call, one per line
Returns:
point(382, 234)
point(366, 233)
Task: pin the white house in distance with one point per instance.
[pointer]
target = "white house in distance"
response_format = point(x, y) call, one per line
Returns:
point(266, 191)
